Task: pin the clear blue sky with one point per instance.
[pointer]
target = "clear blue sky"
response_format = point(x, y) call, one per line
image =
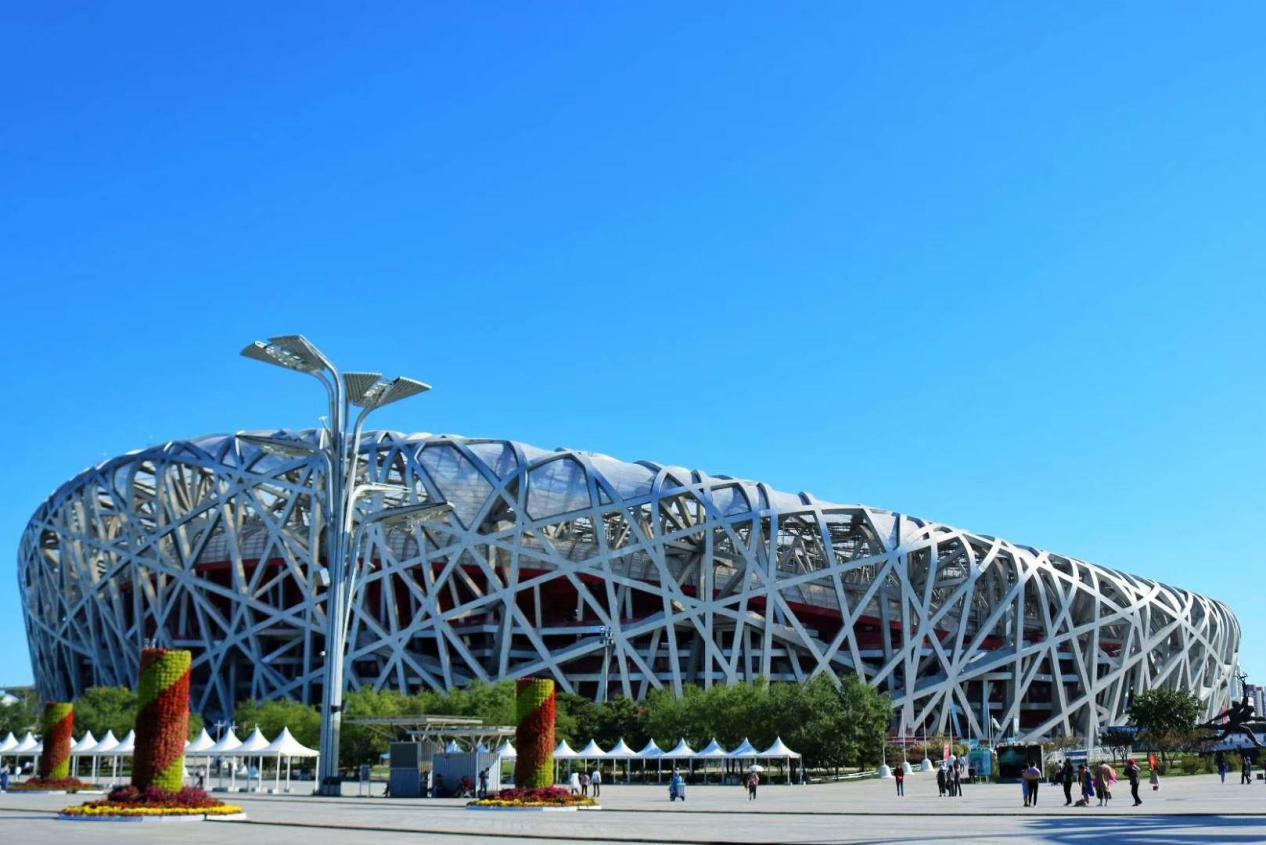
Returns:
point(999, 266)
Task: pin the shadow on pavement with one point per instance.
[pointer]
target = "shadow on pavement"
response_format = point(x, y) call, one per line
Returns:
point(1124, 830)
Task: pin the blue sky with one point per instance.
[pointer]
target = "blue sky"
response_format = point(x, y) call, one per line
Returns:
point(995, 265)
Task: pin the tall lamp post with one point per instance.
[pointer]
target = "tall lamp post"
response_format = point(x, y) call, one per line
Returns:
point(338, 448)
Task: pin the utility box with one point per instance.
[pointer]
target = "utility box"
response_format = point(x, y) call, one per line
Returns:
point(450, 769)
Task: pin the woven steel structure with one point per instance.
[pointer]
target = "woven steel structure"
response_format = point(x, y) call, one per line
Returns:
point(610, 577)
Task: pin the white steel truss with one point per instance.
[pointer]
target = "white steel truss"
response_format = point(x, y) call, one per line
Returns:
point(613, 578)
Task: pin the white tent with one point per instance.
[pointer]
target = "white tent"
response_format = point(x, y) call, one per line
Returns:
point(680, 751)
point(507, 751)
point(227, 746)
point(562, 752)
point(80, 749)
point(9, 743)
point(591, 752)
point(713, 751)
point(620, 751)
point(105, 748)
point(452, 747)
point(744, 751)
point(201, 745)
point(779, 751)
point(127, 745)
point(285, 745)
point(253, 746)
point(649, 752)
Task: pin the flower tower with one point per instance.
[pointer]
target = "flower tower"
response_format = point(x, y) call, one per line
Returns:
point(162, 719)
point(534, 733)
point(57, 726)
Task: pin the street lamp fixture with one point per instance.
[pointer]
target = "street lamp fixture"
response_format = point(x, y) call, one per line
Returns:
point(339, 448)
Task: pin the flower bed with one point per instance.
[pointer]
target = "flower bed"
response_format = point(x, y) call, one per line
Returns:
point(128, 801)
point(550, 796)
point(53, 785)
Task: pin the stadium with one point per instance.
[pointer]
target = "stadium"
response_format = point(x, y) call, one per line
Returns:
point(613, 578)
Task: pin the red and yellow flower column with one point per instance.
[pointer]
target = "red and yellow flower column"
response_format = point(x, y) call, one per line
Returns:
point(162, 719)
point(534, 733)
point(58, 726)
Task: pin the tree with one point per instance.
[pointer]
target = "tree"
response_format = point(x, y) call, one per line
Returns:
point(103, 709)
point(271, 716)
point(20, 715)
point(1166, 718)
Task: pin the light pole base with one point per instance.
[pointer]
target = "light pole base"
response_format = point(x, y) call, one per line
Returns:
point(331, 787)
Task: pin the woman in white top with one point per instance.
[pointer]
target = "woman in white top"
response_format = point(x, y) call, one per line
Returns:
point(574, 783)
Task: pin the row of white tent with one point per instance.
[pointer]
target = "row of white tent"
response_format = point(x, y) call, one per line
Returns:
point(680, 751)
point(256, 745)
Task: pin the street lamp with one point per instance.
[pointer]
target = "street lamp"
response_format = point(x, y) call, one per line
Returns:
point(338, 447)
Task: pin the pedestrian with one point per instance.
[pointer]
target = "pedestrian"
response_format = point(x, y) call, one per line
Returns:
point(1104, 777)
point(1066, 779)
point(1223, 768)
point(900, 777)
point(483, 783)
point(753, 781)
point(958, 779)
point(1032, 776)
point(596, 781)
point(573, 783)
point(1086, 784)
point(584, 784)
point(940, 779)
point(1132, 773)
point(4, 779)
point(1154, 777)
point(1246, 771)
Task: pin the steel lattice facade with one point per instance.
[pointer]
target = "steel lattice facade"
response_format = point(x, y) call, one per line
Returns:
point(613, 578)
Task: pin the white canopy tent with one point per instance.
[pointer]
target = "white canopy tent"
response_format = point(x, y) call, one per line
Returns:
point(649, 752)
point(285, 745)
point(253, 746)
point(712, 751)
point(127, 745)
point(563, 752)
point(228, 744)
point(592, 751)
point(7, 745)
point(506, 751)
point(779, 751)
point(105, 748)
point(201, 745)
point(621, 751)
point(82, 748)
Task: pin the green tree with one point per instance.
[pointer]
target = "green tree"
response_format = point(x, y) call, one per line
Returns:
point(1166, 718)
point(271, 716)
point(103, 709)
point(20, 715)
point(360, 744)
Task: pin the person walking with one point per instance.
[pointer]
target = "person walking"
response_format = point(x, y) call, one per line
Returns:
point(483, 783)
point(1103, 783)
point(1246, 771)
point(900, 777)
point(753, 781)
point(573, 783)
point(595, 780)
point(1223, 768)
point(1066, 779)
point(584, 784)
point(1086, 784)
point(1132, 772)
point(1033, 777)
point(940, 779)
point(958, 778)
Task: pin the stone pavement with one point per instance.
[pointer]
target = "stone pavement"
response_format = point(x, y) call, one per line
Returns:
point(1185, 810)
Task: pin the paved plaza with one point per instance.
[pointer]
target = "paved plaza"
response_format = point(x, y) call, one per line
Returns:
point(1185, 810)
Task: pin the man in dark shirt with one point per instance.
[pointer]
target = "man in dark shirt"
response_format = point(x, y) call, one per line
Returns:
point(1066, 778)
point(1132, 772)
